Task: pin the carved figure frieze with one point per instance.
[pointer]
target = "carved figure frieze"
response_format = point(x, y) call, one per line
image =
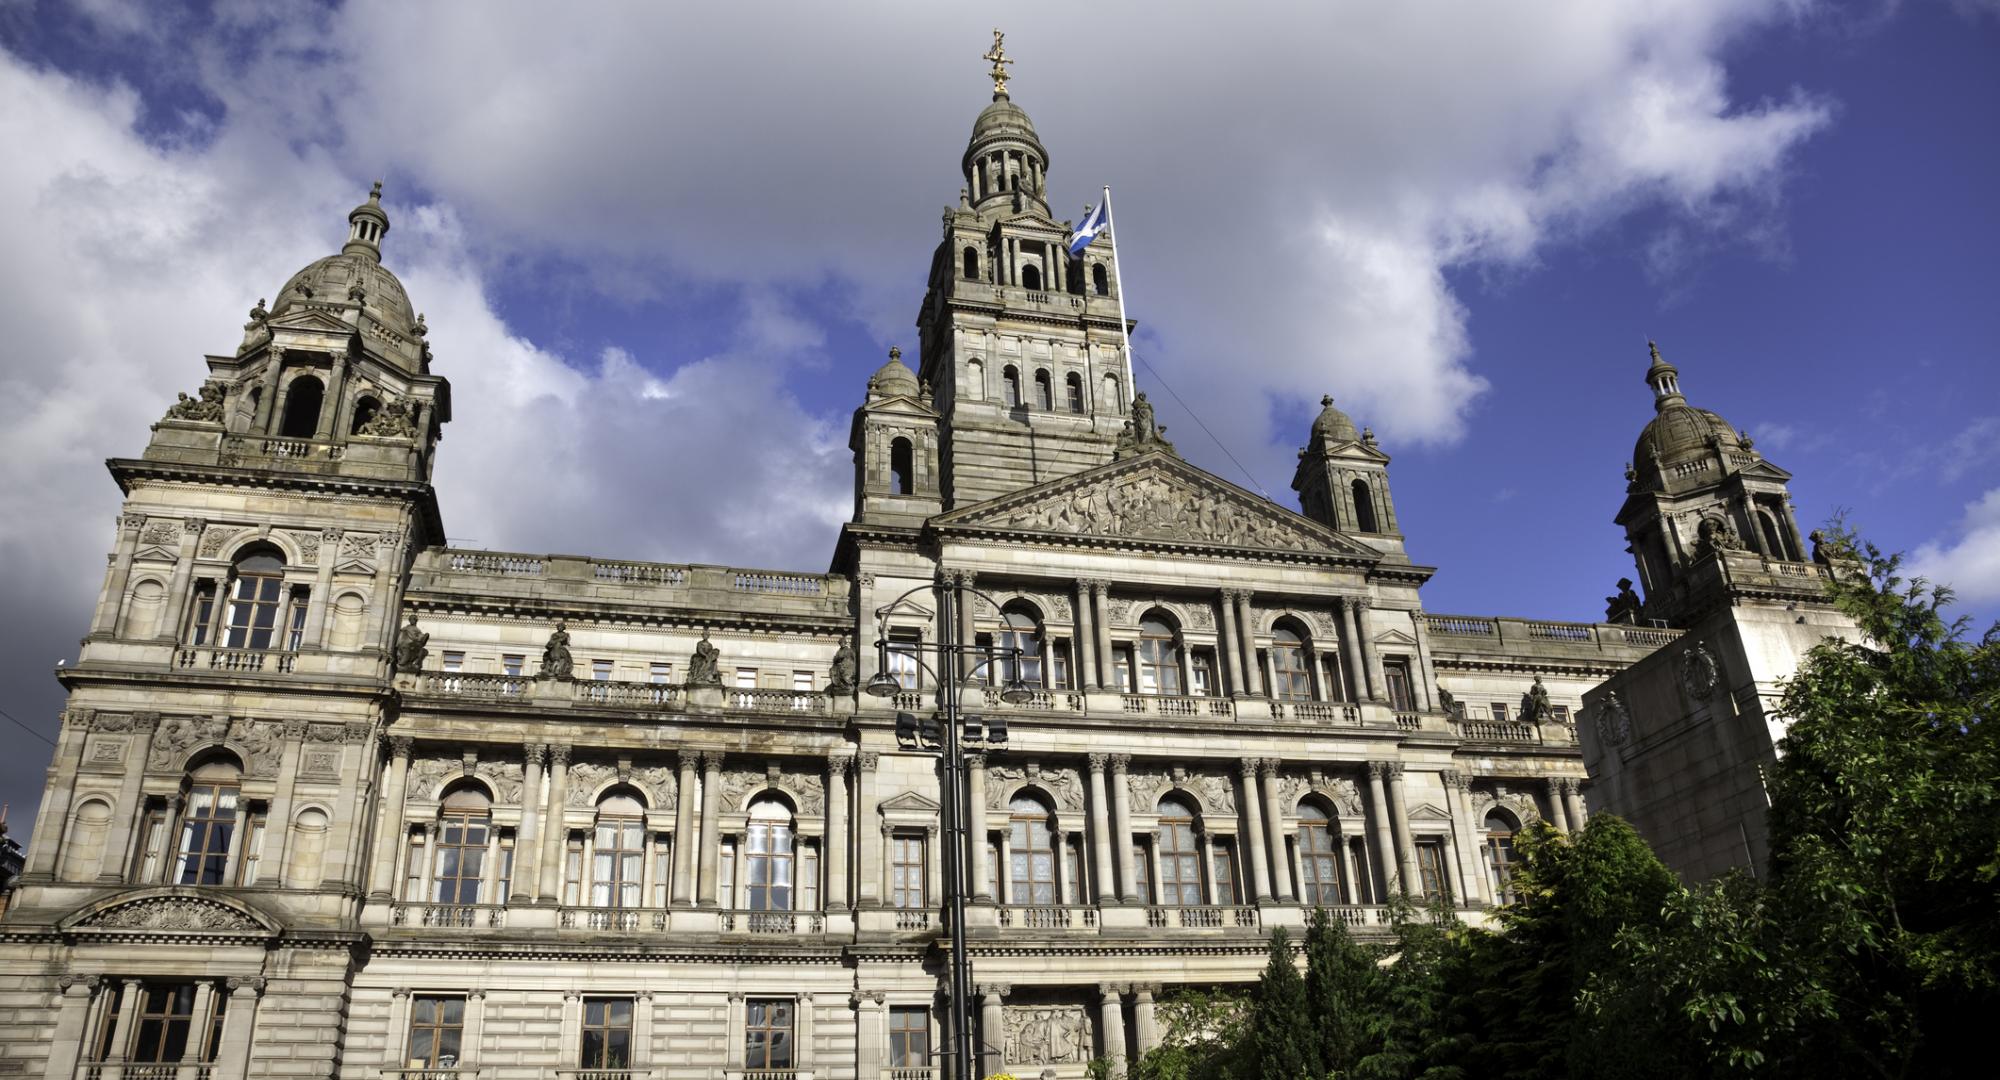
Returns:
point(1215, 792)
point(664, 781)
point(586, 778)
point(428, 775)
point(396, 419)
point(1699, 672)
point(1155, 507)
point(180, 734)
point(172, 913)
point(738, 788)
point(1063, 785)
point(262, 742)
point(1521, 803)
point(205, 408)
point(1047, 1034)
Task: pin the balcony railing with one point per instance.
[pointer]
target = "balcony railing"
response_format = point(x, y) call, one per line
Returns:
point(1461, 626)
point(1049, 918)
point(127, 1070)
point(459, 684)
point(456, 1072)
point(1318, 712)
point(637, 695)
point(245, 661)
point(1496, 731)
point(1207, 917)
point(1170, 705)
point(604, 1074)
point(629, 920)
point(785, 584)
point(805, 701)
point(626, 573)
point(773, 922)
point(1409, 721)
point(916, 919)
point(449, 916)
point(497, 563)
point(1052, 701)
point(1360, 914)
point(910, 1072)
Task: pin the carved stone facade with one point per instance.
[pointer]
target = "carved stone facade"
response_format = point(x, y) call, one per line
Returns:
point(501, 787)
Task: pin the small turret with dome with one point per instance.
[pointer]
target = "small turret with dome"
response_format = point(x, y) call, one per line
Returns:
point(895, 442)
point(355, 284)
point(1343, 480)
point(1680, 437)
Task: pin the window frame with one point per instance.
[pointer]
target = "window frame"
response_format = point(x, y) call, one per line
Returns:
point(438, 1027)
point(603, 1024)
point(779, 1048)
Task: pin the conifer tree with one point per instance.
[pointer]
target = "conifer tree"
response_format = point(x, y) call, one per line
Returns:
point(1281, 1043)
point(1343, 995)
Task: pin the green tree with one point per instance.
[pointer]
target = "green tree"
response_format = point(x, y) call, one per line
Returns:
point(1343, 995)
point(1279, 1044)
point(1203, 1036)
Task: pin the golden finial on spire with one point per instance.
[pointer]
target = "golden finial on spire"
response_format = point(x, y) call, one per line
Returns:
point(998, 55)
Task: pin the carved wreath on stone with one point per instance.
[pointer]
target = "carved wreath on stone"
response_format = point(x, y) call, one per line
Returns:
point(1614, 719)
point(1699, 673)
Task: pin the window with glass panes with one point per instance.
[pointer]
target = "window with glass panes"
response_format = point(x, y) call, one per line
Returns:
point(1500, 856)
point(201, 614)
point(906, 871)
point(767, 1033)
point(1201, 673)
point(1500, 712)
point(618, 853)
point(1031, 863)
point(250, 852)
point(909, 1037)
point(1397, 674)
point(1319, 859)
point(1019, 632)
point(256, 592)
point(607, 1033)
point(1291, 675)
point(1159, 659)
point(1180, 858)
point(165, 1025)
point(902, 660)
point(1223, 872)
point(462, 836)
point(767, 852)
point(206, 827)
point(1430, 867)
point(437, 1030)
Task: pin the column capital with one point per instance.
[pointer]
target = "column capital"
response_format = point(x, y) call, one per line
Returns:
point(840, 761)
point(87, 983)
point(1268, 767)
point(1120, 762)
point(736, 997)
point(558, 755)
point(1453, 779)
point(1098, 761)
point(1237, 595)
point(711, 760)
point(867, 760)
point(537, 753)
point(400, 746)
point(477, 993)
point(295, 729)
point(1395, 770)
point(995, 991)
point(866, 998)
point(1100, 586)
point(1573, 785)
point(400, 991)
point(1247, 767)
point(1145, 991)
point(1112, 991)
point(354, 732)
point(1377, 770)
point(1555, 784)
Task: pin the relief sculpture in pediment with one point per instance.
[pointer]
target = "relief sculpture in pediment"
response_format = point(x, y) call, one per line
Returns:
point(1152, 507)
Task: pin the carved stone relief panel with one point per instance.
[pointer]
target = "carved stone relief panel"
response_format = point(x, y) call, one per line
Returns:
point(172, 913)
point(180, 734)
point(1064, 785)
point(1214, 792)
point(428, 775)
point(215, 538)
point(585, 780)
point(320, 762)
point(1047, 1034)
point(663, 781)
point(262, 742)
point(1154, 507)
point(506, 780)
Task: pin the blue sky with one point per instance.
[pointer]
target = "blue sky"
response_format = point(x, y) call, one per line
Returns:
point(662, 248)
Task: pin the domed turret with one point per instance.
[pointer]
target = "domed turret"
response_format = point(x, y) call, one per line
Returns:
point(356, 276)
point(1679, 434)
point(1333, 426)
point(1005, 164)
point(893, 379)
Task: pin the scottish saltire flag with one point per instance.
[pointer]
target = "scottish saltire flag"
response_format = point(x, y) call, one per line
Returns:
point(1093, 223)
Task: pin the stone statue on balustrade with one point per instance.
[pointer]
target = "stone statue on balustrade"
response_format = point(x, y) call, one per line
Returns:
point(705, 668)
point(207, 408)
point(410, 650)
point(1623, 608)
point(841, 679)
point(1535, 704)
point(556, 660)
point(1453, 707)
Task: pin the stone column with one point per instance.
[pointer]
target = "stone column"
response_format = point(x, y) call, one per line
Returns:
point(1231, 650)
point(1121, 827)
point(278, 822)
point(59, 790)
point(1399, 821)
point(1144, 1026)
point(711, 827)
point(71, 1028)
point(1350, 652)
point(1255, 853)
point(1385, 846)
point(869, 1035)
point(1100, 617)
point(975, 830)
point(200, 1017)
point(1006, 867)
point(1274, 813)
point(527, 839)
point(391, 840)
point(1371, 657)
point(1572, 793)
point(120, 573)
point(1558, 813)
point(1100, 832)
point(642, 1030)
point(232, 1059)
point(554, 832)
point(1085, 639)
point(967, 634)
point(121, 1033)
point(1472, 890)
point(867, 830)
point(348, 837)
point(839, 837)
point(1111, 1024)
point(1246, 635)
point(1351, 889)
point(681, 889)
point(118, 843)
point(992, 1028)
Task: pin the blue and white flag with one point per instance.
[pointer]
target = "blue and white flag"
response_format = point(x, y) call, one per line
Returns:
point(1093, 223)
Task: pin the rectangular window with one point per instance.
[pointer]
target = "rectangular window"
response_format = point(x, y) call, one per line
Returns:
point(910, 1038)
point(802, 687)
point(1123, 657)
point(253, 846)
point(1223, 873)
point(1200, 673)
point(206, 829)
point(993, 869)
point(461, 856)
point(252, 617)
point(906, 871)
point(1072, 874)
point(1499, 712)
point(808, 879)
point(1142, 872)
point(1559, 713)
point(725, 876)
point(437, 1028)
point(166, 1019)
point(607, 1033)
point(413, 868)
point(152, 844)
point(1334, 681)
point(295, 621)
point(662, 673)
point(511, 665)
point(1430, 867)
point(903, 665)
point(1059, 665)
point(600, 670)
point(746, 680)
point(1397, 673)
point(503, 874)
point(573, 870)
point(202, 615)
point(452, 665)
point(663, 871)
point(767, 1033)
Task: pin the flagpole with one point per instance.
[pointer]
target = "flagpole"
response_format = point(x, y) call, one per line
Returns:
point(1111, 222)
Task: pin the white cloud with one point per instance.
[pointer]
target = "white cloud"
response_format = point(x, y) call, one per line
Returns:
point(1971, 563)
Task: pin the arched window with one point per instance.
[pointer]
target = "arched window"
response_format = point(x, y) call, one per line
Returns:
point(768, 843)
point(1291, 675)
point(1159, 657)
point(1031, 278)
point(1075, 384)
point(969, 264)
point(618, 857)
point(1500, 855)
point(213, 793)
point(465, 825)
point(1180, 858)
point(1111, 395)
point(1031, 852)
point(1100, 280)
point(1319, 860)
point(364, 411)
point(1010, 386)
point(902, 469)
point(259, 614)
point(1364, 507)
point(1045, 391)
point(1020, 631)
point(302, 402)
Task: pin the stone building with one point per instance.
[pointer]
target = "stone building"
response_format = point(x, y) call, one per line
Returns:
point(334, 799)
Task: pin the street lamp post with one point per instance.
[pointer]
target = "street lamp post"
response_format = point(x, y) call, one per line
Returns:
point(948, 743)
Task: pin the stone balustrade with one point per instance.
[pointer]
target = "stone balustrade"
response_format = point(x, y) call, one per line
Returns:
point(625, 920)
point(236, 661)
point(448, 916)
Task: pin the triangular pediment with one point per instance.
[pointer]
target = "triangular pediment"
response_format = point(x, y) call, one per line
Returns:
point(1155, 498)
point(908, 802)
point(1394, 637)
point(313, 319)
point(1427, 812)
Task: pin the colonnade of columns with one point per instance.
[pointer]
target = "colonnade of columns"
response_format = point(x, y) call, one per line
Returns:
point(87, 1000)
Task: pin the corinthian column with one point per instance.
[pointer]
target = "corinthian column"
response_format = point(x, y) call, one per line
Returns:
point(1385, 846)
point(1231, 652)
point(391, 839)
point(1121, 826)
point(552, 824)
point(1558, 812)
point(1256, 853)
point(1399, 821)
point(1246, 634)
point(1100, 832)
point(1274, 812)
point(975, 829)
point(711, 826)
point(681, 889)
point(1572, 792)
point(838, 836)
point(527, 841)
point(1100, 618)
point(1084, 639)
